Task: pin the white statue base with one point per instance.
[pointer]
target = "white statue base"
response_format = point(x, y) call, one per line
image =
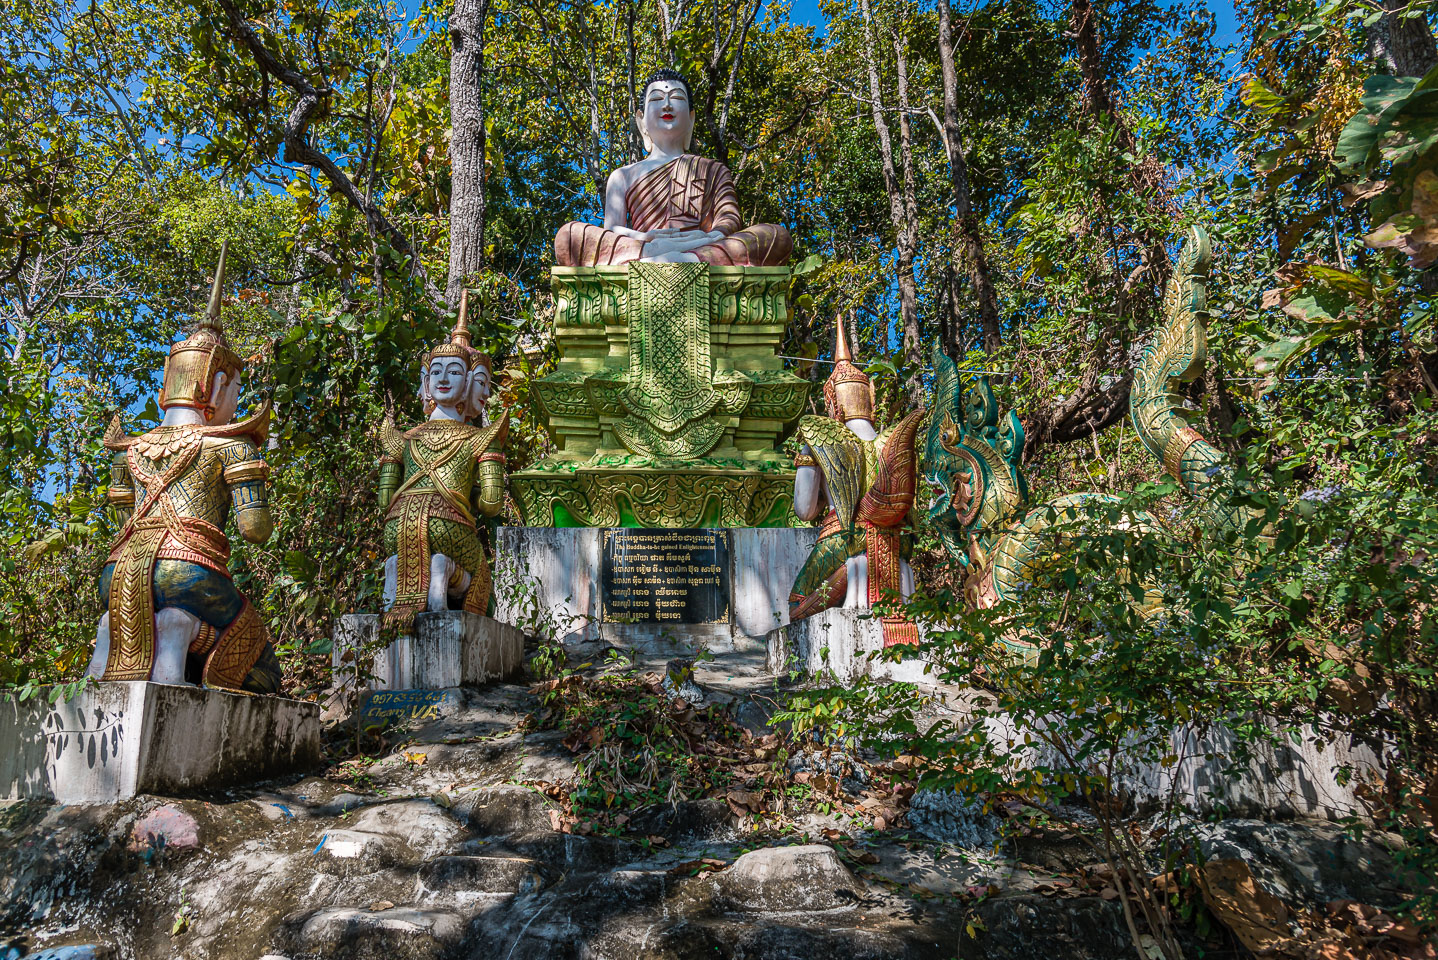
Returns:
point(841, 643)
point(119, 740)
point(448, 649)
point(549, 579)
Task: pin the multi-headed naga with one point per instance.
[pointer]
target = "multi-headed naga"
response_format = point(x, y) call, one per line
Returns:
point(972, 460)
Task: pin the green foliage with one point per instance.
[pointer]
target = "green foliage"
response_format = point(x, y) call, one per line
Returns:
point(637, 744)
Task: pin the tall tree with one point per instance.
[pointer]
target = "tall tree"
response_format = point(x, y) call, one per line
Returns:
point(968, 241)
point(467, 31)
point(902, 215)
point(1402, 44)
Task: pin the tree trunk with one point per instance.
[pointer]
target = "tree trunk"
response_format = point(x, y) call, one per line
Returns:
point(903, 229)
point(968, 241)
point(908, 245)
point(1147, 177)
point(1403, 47)
point(636, 145)
point(466, 147)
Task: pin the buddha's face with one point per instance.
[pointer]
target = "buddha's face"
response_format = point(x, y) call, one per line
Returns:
point(666, 117)
point(447, 380)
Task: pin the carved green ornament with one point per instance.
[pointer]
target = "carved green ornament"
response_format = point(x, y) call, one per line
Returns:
point(669, 401)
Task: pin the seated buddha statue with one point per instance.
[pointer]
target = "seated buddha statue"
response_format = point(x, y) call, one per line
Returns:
point(672, 206)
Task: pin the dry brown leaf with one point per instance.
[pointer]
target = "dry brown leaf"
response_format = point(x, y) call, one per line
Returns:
point(379, 905)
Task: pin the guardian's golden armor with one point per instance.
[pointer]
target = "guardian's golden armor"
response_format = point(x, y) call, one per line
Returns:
point(436, 482)
point(173, 612)
point(868, 480)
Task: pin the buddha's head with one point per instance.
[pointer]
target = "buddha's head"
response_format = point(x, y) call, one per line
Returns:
point(666, 113)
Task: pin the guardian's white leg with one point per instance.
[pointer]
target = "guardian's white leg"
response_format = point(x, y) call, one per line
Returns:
point(175, 630)
point(906, 579)
point(391, 582)
point(857, 596)
point(441, 568)
point(465, 579)
point(102, 649)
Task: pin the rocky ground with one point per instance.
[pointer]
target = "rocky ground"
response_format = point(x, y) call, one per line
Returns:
point(457, 841)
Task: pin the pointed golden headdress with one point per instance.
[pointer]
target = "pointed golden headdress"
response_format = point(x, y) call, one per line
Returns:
point(194, 361)
point(848, 393)
point(458, 344)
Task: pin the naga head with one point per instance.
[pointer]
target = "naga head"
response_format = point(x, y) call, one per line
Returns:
point(948, 469)
point(971, 460)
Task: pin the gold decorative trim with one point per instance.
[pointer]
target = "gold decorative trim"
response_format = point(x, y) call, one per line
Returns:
point(247, 472)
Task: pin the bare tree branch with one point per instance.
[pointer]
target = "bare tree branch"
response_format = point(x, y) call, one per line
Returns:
point(298, 148)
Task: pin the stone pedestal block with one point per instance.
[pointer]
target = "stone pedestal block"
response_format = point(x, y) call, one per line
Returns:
point(448, 649)
point(547, 580)
point(117, 740)
point(839, 642)
point(669, 402)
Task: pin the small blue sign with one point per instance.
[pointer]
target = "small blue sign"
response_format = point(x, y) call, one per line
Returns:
point(392, 706)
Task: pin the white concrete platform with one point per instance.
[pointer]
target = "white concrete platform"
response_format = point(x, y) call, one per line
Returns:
point(547, 580)
point(118, 740)
point(447, 649)
point(840, 644)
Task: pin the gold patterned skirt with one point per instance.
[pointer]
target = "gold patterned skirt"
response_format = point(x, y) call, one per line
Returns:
point(418, 526)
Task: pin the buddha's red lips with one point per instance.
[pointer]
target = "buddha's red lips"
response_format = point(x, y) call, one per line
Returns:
point(666, 116)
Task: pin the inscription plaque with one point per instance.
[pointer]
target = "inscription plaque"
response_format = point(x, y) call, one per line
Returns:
point(664, 576)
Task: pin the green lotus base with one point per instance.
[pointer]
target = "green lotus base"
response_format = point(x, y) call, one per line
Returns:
point(685, 494)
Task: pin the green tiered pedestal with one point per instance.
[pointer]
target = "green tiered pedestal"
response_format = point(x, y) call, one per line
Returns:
point(669, 402)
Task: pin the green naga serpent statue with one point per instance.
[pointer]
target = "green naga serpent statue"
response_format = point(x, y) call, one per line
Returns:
point(972, 455)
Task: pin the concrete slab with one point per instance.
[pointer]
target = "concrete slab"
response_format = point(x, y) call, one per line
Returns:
point(117, 740)
point(1207, 773)
point(841, 644)
point(448, 649)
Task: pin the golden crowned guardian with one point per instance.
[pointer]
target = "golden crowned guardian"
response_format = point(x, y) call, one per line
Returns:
point(436, 480)
point(868, 481)
point(173, 612)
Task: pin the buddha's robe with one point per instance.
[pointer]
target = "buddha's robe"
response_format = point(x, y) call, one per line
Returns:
point(871, 485)
point(688, 192)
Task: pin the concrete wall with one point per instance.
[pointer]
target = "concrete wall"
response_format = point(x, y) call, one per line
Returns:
point(447, 649)
point(116, 740)
point(547, 580)
point(839, 644)
point(1279, 779)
